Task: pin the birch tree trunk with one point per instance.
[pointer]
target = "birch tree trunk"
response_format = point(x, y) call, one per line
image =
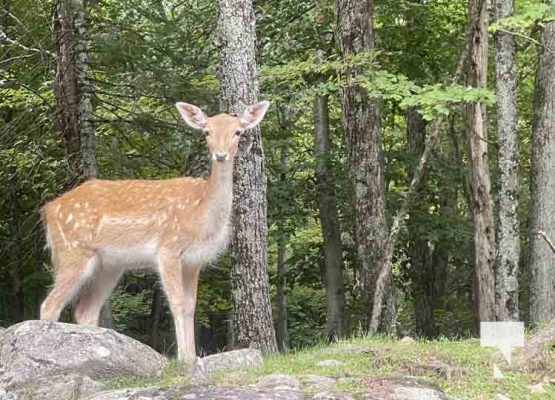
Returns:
point(361, 124)
point(508, 240)
point(541, 257)
point(252, 314)
point(484, 229)
point(329, 222)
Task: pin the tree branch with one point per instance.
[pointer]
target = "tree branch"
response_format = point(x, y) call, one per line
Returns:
point(546, 238)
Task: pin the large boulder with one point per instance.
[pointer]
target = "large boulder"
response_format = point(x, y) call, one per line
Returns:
point(41, 351)
point(232, 360)
point(199, 393)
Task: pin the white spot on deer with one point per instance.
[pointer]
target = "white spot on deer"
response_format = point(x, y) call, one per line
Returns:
point(77, 205)
point(69, 218)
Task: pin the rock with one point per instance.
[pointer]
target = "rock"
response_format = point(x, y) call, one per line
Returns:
point(401, 389)
point(537, 388)
point(57, 387)
point(407, 340)
point(278, 381)
point(198, 375)
point(330, 363)
point(532, 357)
point(500, 396)
point(244, 358)
point(332, 395)
point(315, 383)
point(39, 351)
point(444, 369)
point(199, 393)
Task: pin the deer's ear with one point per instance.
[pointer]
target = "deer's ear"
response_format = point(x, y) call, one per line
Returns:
point(254, 114)
point(193, 115)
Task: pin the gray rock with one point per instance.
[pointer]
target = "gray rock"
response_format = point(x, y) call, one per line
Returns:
point(236, 359)
point(403, 389)
point(198, 375)
point(330, 363)
point(34, 350)
point(199, 393)
point(316, 383)
point(332, 395)
point(278, 381)
point(58, 387)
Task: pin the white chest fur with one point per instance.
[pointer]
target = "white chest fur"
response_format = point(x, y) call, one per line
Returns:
point(207, 249)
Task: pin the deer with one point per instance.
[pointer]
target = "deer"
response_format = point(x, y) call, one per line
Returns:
point(102, 228)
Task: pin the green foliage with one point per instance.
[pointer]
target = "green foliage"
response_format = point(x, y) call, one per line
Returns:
point(128, 308)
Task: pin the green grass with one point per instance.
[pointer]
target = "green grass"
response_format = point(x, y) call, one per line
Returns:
point(469, 368)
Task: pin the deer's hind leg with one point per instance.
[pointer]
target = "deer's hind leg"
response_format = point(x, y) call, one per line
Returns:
point(71, 270)
point(95, 293)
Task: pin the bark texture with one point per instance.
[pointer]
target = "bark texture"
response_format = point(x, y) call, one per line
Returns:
point(361, 124)
point(73, 90)
point(252, 318)
point(329, 222)
point(508, 239)
point(484, 229)
point(541, 258)
point(420, 250)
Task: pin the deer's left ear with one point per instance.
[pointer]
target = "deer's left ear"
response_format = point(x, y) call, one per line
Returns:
point(254, 114)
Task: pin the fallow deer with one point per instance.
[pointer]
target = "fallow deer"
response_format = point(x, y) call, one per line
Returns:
point(102, 228)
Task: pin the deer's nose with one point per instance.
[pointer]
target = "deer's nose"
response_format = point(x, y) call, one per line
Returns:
point(220, 156)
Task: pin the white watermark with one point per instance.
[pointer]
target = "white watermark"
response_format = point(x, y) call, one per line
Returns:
point(503, 335)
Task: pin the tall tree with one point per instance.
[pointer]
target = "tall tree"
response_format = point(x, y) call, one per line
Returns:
point(508, 239)
point(252, 317)
point(362, 127)
point(420, 254)
point(541, 256)
point(482, 211)
point(329, 221)
point(73, 92)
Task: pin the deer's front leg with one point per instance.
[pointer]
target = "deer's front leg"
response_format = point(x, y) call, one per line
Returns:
point(178, 284)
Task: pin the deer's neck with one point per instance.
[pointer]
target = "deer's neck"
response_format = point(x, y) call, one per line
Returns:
point(219, 198)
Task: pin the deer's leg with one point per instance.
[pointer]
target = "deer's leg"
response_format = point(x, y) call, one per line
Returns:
point(94, 294)
point(178, 284)
point(71, 272)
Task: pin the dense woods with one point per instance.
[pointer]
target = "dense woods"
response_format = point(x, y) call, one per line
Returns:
point(402, 181)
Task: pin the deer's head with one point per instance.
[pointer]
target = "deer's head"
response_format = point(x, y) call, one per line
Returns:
point(223, 131)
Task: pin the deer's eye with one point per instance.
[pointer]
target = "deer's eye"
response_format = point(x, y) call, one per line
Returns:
point(239, 132)
point(206, 132)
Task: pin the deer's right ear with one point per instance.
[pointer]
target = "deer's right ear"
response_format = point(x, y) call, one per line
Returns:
point(193, 115)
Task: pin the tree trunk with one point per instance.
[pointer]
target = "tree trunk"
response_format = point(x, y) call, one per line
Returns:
point(420, 254)
point(508, 240)
point(484, 229)
point(252, 316)
point(16, 301)
point(361, 124)
point(281, 331)
point(73, 92)
point(155, 317)
point(329, 222)
point(541, 257)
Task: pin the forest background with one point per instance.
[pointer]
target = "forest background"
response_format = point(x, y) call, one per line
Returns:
point(354, 108)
